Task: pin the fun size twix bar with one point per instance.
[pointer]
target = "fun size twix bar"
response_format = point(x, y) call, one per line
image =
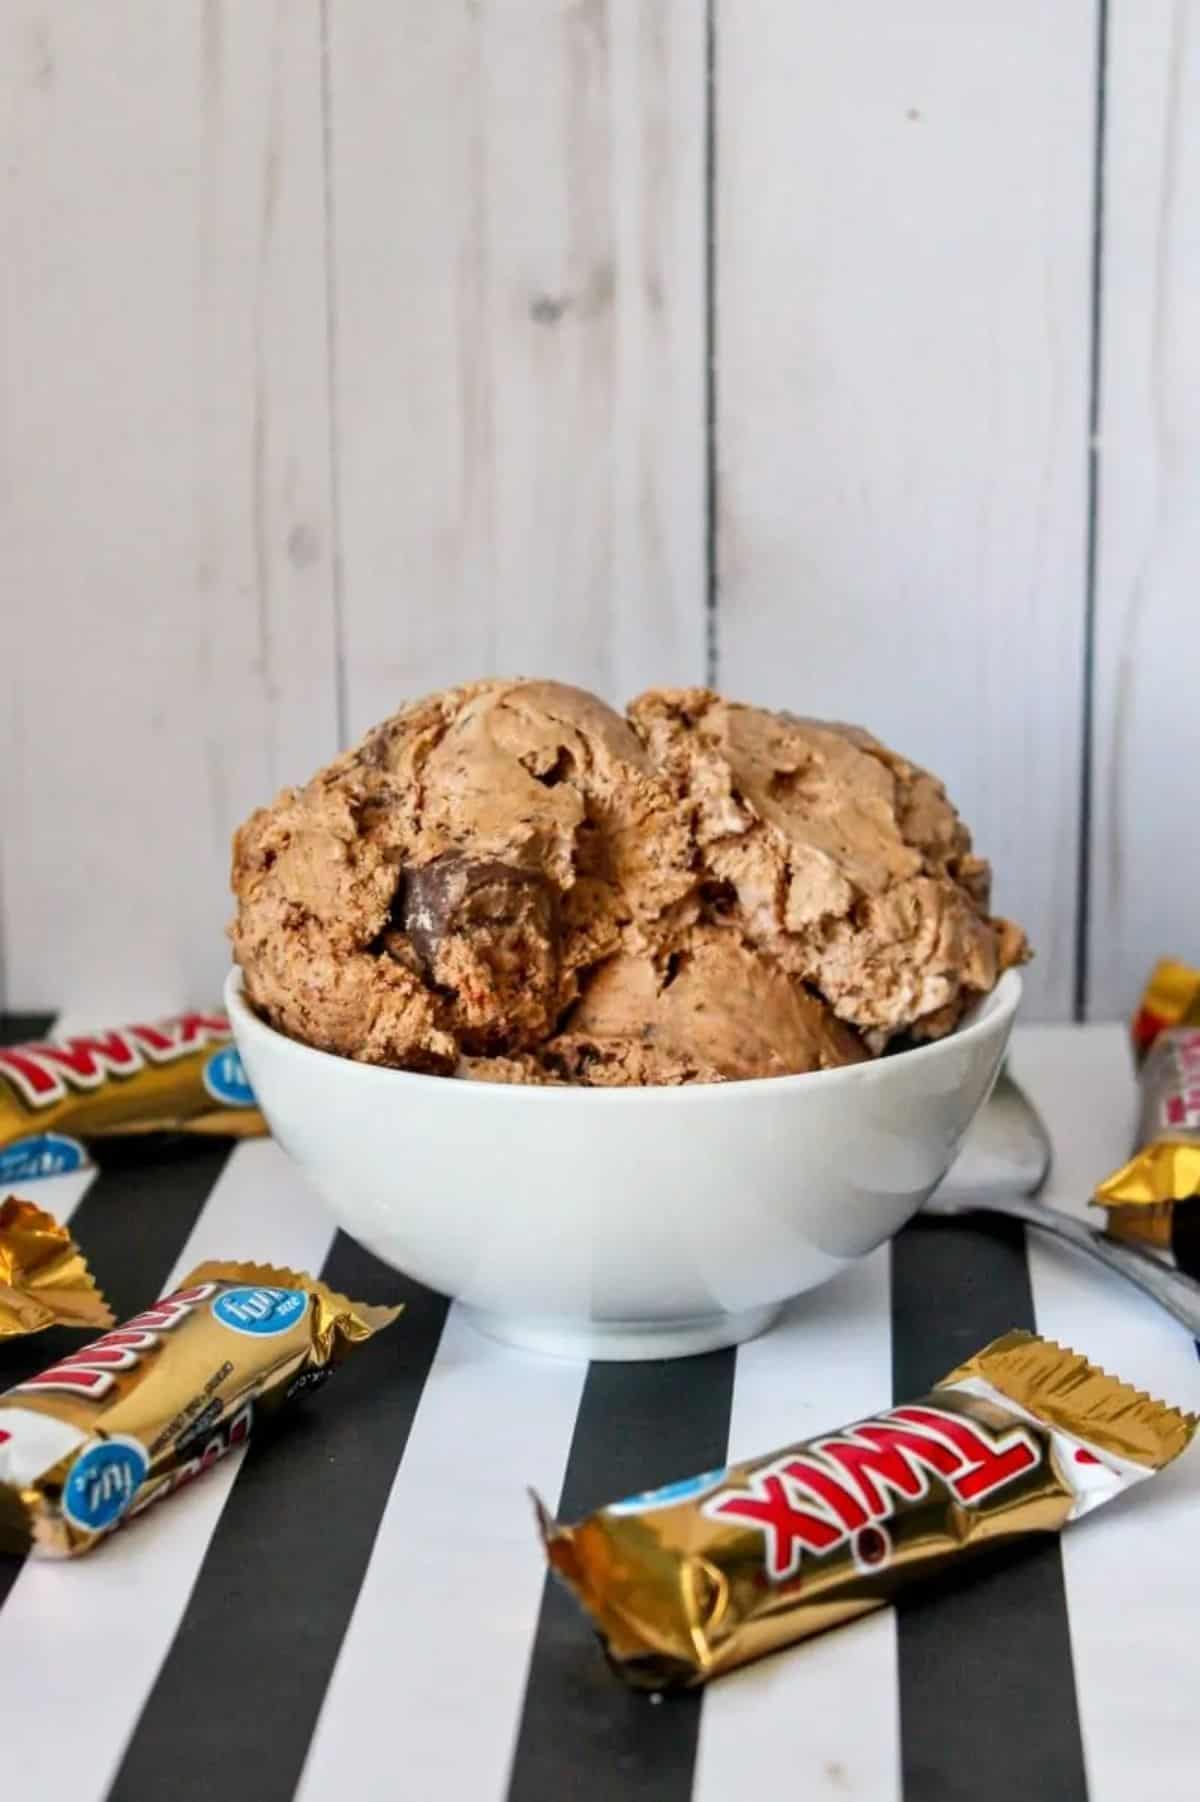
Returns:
point(689, 1581)
point(98, 1437)
point(57, 1094)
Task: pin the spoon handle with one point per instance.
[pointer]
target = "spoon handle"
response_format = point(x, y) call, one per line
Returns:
point(1177, 1293)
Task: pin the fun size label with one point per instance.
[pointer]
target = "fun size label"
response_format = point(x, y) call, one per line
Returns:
point(226, 1081)
point(261, 1312)
point(44, 1154)
point(102, 1483)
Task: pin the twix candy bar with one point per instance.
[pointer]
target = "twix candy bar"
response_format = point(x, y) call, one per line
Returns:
point(181, 1074)
point(44, 1278)
point(118, 1425)
point(1144, 1196)
point(690, 1581)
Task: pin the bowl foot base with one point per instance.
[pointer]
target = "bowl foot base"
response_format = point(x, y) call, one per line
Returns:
point(622, 1341)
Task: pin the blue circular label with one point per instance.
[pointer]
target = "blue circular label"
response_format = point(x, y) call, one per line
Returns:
point(260, 1312)
point(102, 1483)
point(225, 1079)
point(47, 1154)
point(670, 1493)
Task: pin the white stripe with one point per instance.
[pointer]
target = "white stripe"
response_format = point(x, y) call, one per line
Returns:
point(81, 1643)
point(1132, 1575)
point(426, 1696)
point(822, 1718)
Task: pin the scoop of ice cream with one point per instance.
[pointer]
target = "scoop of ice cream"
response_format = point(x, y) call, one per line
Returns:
point(510, 881)
point(714, 1003)
point(847, 863)
point(438, 889)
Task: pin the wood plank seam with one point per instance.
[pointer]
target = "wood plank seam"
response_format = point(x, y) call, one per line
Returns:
point(337, 572)
point(1087, 748)
point(712, 634)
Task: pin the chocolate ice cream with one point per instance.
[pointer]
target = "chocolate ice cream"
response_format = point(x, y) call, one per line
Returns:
point(510, 882)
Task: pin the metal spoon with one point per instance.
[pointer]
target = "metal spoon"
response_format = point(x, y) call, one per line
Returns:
point(1005, 1161)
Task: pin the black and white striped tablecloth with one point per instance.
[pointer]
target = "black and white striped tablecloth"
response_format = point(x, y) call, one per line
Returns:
point(358, 1607)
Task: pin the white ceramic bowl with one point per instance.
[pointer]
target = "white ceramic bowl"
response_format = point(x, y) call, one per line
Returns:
point(625, 1223)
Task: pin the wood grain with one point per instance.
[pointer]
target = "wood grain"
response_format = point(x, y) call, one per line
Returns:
point(517, 203)
point(1145, 848)
point(446, 266)
point(903, 231)
point(164, 467)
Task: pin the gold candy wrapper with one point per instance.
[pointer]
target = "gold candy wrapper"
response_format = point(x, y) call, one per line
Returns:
point(178, 1075)
point(690, 1581)
point(44, 1278)
point(1141, 1198)
point(128, 1419)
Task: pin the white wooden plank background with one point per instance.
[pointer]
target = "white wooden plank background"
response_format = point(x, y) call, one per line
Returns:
point(902, 399)
point(518, 220)
point(169, 652)
point(1145, 848)
point(349, 350)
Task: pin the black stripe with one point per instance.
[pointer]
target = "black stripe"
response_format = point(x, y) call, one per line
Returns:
point(132, 1224)
point(247, 1672)
point(987, 1688)
point(1185, 1236)
point(1185, 1240)
point(18, 1029)
point(583, 1733)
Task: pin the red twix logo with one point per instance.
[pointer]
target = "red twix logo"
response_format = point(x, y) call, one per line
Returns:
point(41, 1073)
point(91, 1373)
point(819, 1497)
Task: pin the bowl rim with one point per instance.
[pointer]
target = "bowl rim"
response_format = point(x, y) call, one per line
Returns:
point(992, 1013)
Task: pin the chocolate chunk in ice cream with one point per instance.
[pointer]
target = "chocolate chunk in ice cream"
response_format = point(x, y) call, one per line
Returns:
point(487, 933)
point(509, 881)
